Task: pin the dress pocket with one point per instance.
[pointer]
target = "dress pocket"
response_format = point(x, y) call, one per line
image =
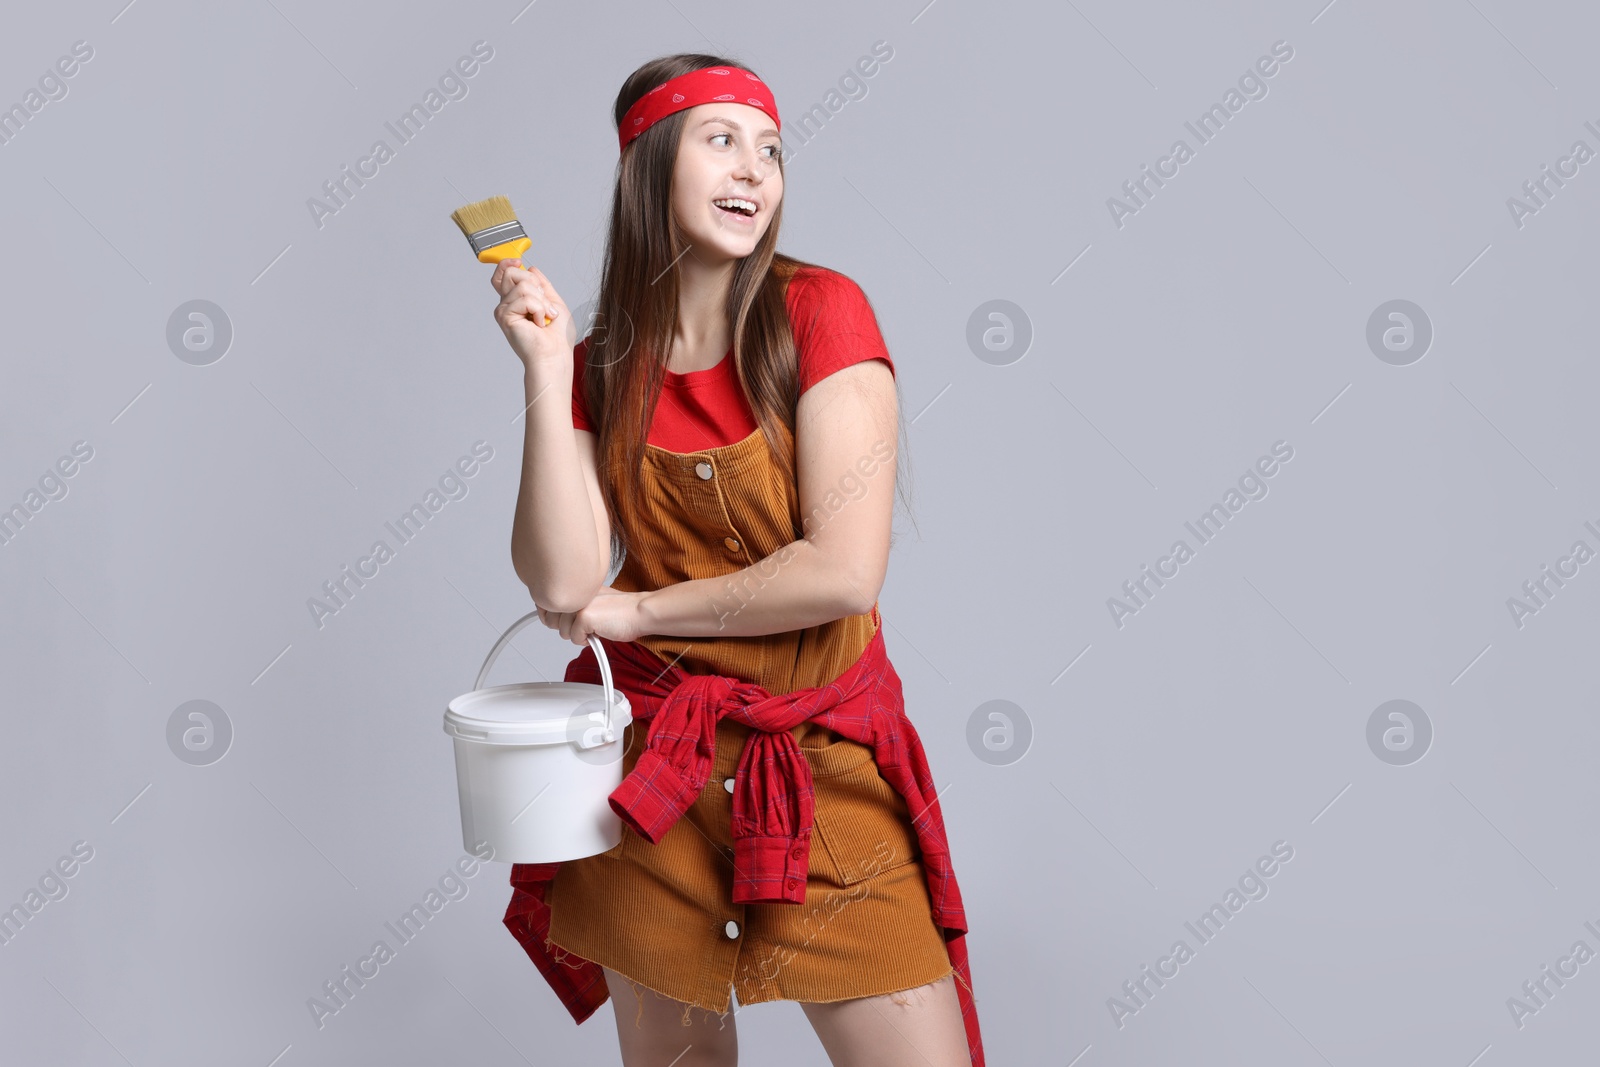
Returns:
point(862, 826)
point(615, 851)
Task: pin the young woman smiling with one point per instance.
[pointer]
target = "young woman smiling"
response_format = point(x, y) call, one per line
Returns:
point(781, 838)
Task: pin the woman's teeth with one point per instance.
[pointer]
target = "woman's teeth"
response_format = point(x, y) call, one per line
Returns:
point(737, 206)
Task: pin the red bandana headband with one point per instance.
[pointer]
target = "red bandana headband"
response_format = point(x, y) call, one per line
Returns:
point(706, 86)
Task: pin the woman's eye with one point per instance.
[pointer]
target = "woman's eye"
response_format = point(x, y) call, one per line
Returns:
point(773, 150)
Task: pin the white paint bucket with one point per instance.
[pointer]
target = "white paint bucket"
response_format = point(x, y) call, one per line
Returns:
point(536, 763)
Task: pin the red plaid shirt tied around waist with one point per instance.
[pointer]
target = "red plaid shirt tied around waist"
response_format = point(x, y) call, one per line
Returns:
point(772, 797)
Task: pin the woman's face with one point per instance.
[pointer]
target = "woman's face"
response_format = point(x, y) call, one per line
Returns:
point(726, 151)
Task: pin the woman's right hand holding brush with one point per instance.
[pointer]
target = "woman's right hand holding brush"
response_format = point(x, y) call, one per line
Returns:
point(532, 315)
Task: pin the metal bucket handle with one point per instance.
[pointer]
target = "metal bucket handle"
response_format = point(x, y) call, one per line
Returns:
point(594, 643)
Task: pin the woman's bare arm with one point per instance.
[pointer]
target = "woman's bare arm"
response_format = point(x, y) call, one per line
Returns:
point(560, 538)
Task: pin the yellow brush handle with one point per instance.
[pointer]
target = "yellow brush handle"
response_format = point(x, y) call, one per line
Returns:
point(512, 249)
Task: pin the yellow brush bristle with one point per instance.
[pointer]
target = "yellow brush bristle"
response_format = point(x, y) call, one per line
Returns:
point(495, 211)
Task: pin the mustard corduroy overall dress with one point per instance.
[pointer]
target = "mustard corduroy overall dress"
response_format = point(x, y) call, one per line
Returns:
point(662, 915)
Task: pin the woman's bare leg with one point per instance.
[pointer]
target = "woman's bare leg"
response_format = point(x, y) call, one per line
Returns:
point(652, 1032)
point(918, 1027)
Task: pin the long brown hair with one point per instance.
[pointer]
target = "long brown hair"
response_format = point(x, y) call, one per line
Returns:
point(636, 309)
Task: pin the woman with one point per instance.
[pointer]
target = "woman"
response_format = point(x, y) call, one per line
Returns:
point(781, 836)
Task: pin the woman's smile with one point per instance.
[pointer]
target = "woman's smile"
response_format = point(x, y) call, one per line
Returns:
point(737, 209)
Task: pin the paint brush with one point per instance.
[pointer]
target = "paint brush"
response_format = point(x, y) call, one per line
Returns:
point(494, 233)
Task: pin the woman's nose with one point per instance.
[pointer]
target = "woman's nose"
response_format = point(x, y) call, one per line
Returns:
point(751, 165)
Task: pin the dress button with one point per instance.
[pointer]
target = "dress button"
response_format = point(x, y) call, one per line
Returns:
point(731, 928)
point(792, 883)
point(727, 783)
point(797, 853)
point(733, 546)
point(703, 469)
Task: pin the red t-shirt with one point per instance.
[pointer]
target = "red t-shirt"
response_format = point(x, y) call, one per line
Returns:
point(833, 326)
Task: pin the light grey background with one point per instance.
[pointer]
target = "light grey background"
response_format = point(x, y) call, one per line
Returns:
point(1168, 354)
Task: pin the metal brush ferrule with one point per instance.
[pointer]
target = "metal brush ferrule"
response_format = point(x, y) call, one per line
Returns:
point(495, 235)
